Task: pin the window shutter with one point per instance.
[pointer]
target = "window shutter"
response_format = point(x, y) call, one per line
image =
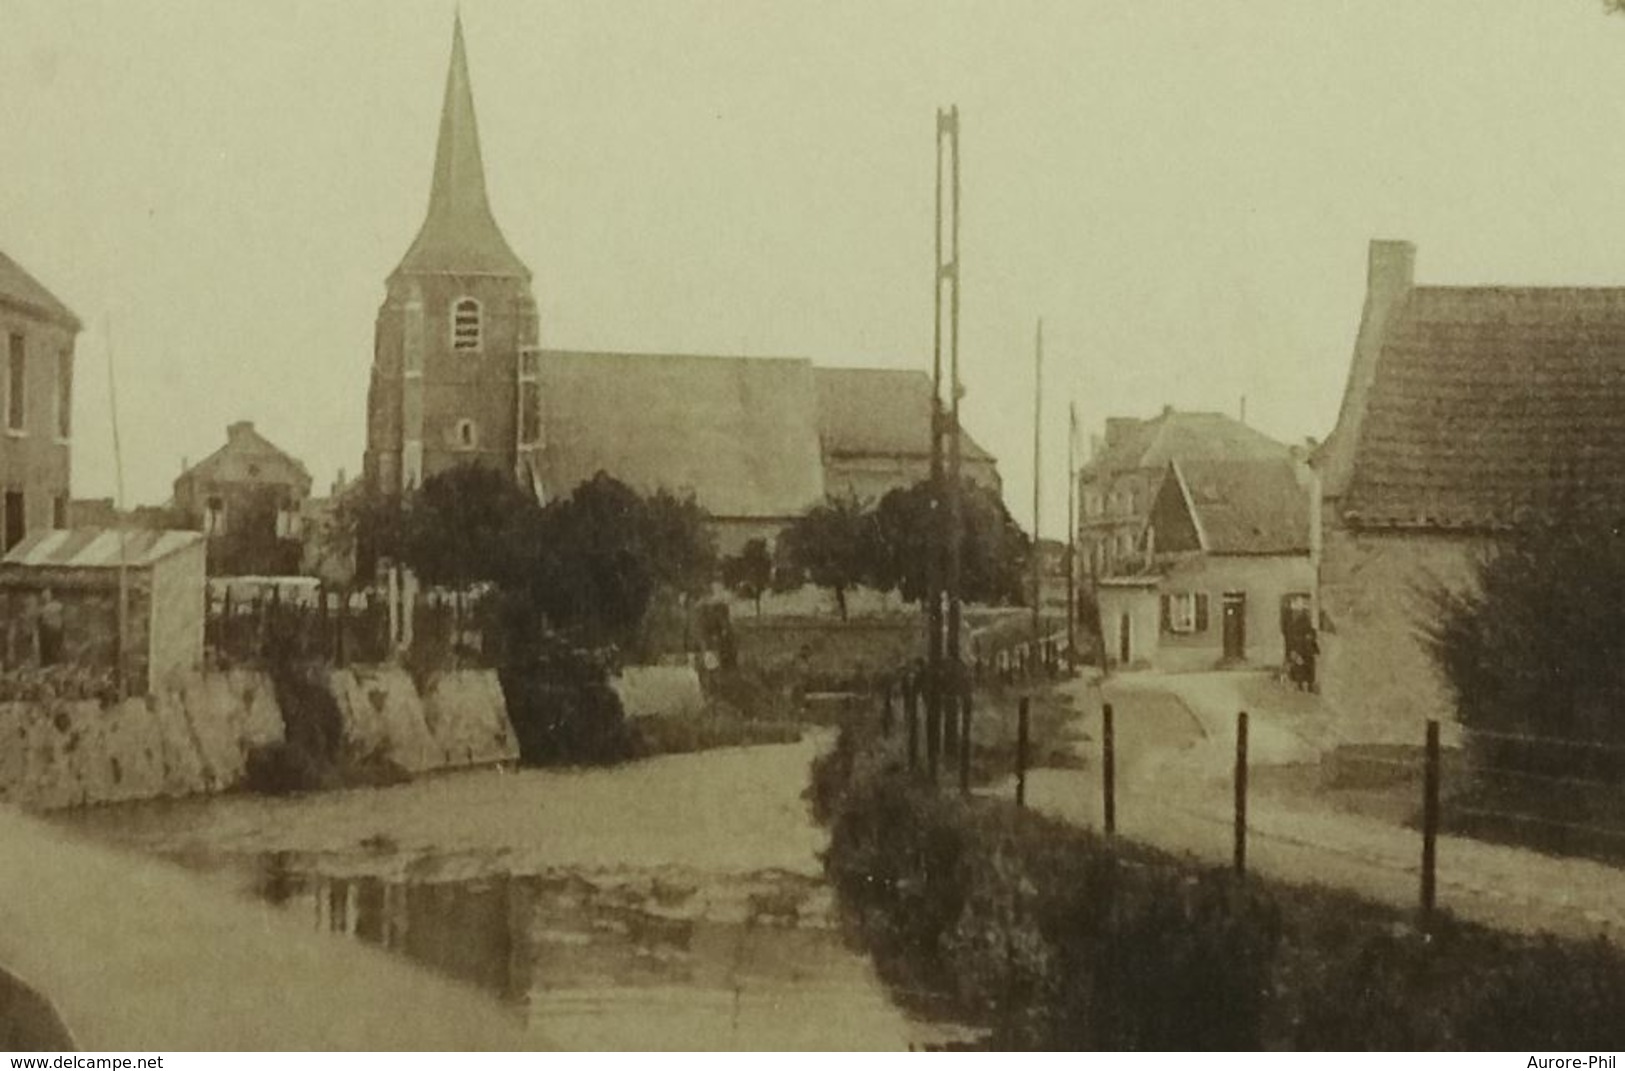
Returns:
point(1201, 612)
point(1167, 613)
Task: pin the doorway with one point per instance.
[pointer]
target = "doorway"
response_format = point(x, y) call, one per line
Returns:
point(1235, 626)
point(15, 524)
point(1125, 639)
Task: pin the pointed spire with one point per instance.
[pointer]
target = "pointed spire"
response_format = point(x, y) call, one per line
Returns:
point(459, 234)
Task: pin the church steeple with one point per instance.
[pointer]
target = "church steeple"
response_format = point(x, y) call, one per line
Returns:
point(459, 234)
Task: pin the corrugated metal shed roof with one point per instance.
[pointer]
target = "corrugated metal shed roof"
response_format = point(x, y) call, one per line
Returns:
point(97, 548)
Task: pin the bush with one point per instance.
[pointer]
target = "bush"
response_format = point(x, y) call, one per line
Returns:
point(1053, 937)
point(563, 710)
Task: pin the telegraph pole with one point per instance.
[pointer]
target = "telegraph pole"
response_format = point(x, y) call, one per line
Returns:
point(1071, 534)
point(956, 389)
point(934, 551)
point(1038, 440)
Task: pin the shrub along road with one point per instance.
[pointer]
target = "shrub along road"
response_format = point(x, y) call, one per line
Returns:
point(1175, 741)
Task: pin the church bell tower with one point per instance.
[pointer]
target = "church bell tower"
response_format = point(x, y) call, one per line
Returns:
point(454, 373)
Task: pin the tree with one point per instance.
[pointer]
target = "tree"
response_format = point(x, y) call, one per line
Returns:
point(467, 525)
point(1534, 644)
point(749, 573)
point(994, 551)
point(676, 535)
point(833, 545)
point(603, 553)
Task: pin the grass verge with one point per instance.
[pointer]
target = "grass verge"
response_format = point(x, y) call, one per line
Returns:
point(1053, 937)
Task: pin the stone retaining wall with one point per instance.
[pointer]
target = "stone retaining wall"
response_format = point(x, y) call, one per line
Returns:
point(197, 738)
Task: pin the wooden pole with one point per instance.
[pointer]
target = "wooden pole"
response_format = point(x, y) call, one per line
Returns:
point(964, 741)
point(1108, 771)
point(1241, 792)
point(1071, 536)
point(953, 656)
point(1430, 823)
point(1038, 442)
point(885, 709)
point(1021, 752)
point(911, 715)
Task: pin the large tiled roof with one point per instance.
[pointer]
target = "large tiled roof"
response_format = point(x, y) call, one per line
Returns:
point(883, 412)
point(1180, 436)
point(740, 434)
point(1490, 402)
point(21, 289)
point(1247, 507)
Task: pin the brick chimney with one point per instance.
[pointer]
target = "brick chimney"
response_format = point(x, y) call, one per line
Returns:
point(1390, 276)
point(242, 429)
point(1118, 429)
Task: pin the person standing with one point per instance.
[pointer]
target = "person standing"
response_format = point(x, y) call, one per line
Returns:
point(49, 628)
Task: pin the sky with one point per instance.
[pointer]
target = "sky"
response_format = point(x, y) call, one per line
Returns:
point(1182, 190)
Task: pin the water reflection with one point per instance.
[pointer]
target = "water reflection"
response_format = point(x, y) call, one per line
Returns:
point(630, 960)
point(473, 931)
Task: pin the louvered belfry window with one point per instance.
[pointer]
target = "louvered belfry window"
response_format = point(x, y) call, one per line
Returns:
point(465, 325)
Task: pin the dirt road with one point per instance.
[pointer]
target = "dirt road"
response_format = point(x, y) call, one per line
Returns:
point(1176, 757)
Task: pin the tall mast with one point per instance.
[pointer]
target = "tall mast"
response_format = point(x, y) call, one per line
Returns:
point(1038, 439)
point(955, 460)
point(122, 650)
point(934, 543)
point(1071, 533)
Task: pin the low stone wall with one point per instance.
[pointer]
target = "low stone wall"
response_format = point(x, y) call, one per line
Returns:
point(659, 691)
point(198, 737)
point(460, 719)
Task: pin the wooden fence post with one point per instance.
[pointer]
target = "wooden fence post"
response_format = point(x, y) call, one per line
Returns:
point(222, 634)
point(1241, 792)
point(1021, 752)
point(885, 709)
point(1430, 823)
point(1108, 771)
point(964, 741)
point(950, 714)
point(911, 714)
point(341, 650)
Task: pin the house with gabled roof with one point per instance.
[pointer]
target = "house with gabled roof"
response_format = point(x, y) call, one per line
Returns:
point(37, 335)
point(247, 497)
point(1226, 562)
point(1467, 409)
point(1127, 466)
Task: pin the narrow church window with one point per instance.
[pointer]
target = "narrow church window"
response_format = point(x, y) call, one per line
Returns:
point(530, 413)
point(465, 434)
point(16, 385)
point(465, 325)
point(64, 395)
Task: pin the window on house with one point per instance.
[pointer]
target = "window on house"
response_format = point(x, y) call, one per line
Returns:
point(1184, 612)
point(214, 515)
point(16, 385)
point(59, 511)
point(64, 395)
point(411, 464)
point(15, 520)
point(530, 413)
point(466, 436)
point(465, 325)
point(287, 522)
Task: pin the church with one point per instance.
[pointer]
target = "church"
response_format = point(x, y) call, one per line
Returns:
point(459, 376)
